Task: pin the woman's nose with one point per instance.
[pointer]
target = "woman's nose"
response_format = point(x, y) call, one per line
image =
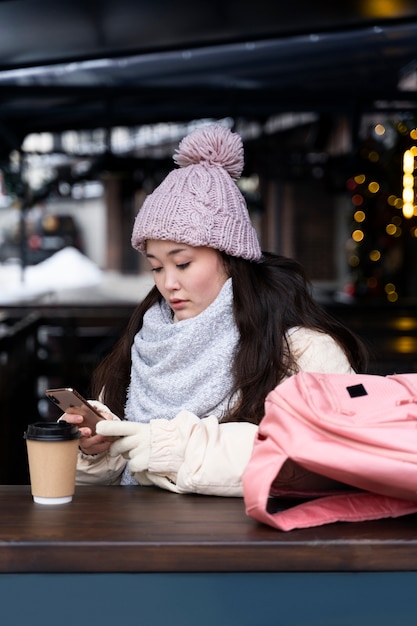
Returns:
point(171, 281)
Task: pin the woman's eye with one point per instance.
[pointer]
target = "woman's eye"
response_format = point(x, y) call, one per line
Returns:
point(182, 266)
point(156, 269)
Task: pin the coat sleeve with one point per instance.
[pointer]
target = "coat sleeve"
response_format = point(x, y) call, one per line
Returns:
point(99, 469)
point(193, 455)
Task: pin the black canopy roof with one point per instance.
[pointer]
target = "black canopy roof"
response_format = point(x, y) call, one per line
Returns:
point(88, 64)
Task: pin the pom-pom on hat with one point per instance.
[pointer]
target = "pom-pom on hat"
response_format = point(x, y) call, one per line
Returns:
point(199, 203)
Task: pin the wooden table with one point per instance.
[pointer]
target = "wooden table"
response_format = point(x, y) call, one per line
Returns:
point(188, 559)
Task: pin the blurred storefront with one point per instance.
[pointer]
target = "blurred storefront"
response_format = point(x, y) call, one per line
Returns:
point(325, 98)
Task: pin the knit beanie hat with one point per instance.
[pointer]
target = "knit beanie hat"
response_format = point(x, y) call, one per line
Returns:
point(200, 204)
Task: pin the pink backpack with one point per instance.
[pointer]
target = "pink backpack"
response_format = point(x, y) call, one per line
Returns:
point(358, 430)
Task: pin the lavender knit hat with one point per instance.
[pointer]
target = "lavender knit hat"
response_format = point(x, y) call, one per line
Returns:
point(200, 203)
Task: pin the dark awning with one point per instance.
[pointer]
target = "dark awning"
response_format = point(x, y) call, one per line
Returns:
point(73, 65)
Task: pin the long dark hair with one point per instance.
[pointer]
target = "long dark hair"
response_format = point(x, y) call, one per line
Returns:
point(269, 298)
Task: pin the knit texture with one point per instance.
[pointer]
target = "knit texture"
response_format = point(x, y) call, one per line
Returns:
point(185, 364)
point(200, 204)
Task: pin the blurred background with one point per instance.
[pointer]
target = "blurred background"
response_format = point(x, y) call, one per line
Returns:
point(94, 98)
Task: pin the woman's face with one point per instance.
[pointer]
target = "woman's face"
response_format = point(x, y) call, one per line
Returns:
point(189, 278)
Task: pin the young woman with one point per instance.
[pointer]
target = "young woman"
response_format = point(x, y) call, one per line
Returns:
point(183, 390)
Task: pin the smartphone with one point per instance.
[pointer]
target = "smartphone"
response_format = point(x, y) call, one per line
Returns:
point(67, 397)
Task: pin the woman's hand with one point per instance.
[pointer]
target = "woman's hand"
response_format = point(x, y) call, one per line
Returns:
point(90, 443)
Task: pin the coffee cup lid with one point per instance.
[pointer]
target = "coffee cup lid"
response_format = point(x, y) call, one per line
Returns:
point(52, 431)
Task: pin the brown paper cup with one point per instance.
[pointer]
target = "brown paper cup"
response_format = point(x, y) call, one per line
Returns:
point(52, 449)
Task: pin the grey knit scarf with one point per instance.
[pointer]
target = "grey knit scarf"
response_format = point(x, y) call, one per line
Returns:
point(183, 365)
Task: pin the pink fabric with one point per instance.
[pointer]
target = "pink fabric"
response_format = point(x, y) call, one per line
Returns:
point(324, 424)
point(354, 507)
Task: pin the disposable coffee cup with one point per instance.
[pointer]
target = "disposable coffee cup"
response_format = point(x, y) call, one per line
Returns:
point(52, 449)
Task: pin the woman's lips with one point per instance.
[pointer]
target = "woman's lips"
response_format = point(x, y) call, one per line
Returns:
point(177, 304)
